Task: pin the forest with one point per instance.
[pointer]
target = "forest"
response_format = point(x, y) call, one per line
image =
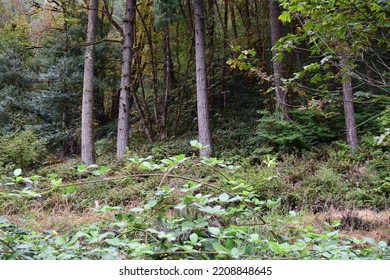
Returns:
point(201, 130)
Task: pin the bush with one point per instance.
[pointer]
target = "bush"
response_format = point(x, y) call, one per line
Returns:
point(21, 150)
point(304, 130)
point(188, 217)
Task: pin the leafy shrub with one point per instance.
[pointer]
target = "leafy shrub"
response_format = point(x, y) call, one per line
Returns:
point(22, 150)
point(333, 177)
point(216, 216)
point(384, 121)
point(304, 130)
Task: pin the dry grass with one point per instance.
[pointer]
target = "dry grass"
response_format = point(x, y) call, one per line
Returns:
point(355, 223)
point(60, 222)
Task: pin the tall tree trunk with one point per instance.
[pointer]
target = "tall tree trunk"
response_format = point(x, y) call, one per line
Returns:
point(349, 112)
point(201, 83)
point(233, 19)
point(210, 31)
point(276, 34)
point(167, 79)
point(87, 141)
point(223, 18)
point(124, 103)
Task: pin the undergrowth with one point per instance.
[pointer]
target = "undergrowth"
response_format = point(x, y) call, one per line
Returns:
point(189, 208)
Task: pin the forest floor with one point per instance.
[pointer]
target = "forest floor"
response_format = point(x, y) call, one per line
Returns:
point(311, 191)
point(355, 224)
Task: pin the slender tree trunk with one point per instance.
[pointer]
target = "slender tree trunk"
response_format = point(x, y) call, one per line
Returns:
point(225, 46)
point(201, 83)
point(233, 19)
point(276, 34)
point(210, 31)
point(124, 103)
point(189, 18)
point(223, 18)
point(87, 141)
point(114, 110)
point(349, 112)
point(167, 80)
point(141, 101)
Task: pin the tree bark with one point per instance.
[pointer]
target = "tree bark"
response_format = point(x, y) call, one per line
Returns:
point(201, 83)
point(167, 80)
point(349, 112)
point(210, 31)
point(233, 19)
point(124, 102)
point(87, 141)
point(276, 34)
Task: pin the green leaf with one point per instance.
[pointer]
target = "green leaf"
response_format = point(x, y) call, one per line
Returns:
point(103, 170)
point(27, 180)
point(107, 208)
point(61, 240)
point(81, 168)
point(196, 144)
point(336, 223)
point(186, 225)
point(150, 204)
point(136, 209)
point(235, 253)
point(292, 213)
point(316, 78)
point(179, 157)
point(145, 166)
point(69, 189)
point(114, 241)
point(194, 238)
point(214, 230)
point(56, 182)
point(180, 206)
point(17, 172)
point(371, 241)
point(188, 199)
point(253, 237)
point(220, 248)
point(285, 16)
point(236, 48)
point(242, 57)
point(224, 197)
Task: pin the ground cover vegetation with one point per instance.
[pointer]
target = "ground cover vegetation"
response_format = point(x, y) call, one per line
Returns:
point(175, 129)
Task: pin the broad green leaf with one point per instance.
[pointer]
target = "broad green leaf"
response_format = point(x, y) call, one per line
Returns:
point(196, 144)
point(145, 166)
point(220, 248)
point(214, 230)
point(107, 208)
point(179, 157)
point(139, 210)
point(103, 169)
point(150, 204)
point(382, 244)
point(81, 168)
point(17, 172)
point(285, 16)
point(186, 225)
point(235, 253)
point(27, 180)
point(114, 241)
point(61, 240)
point(69, 189)
point(188, 199)
point(224, 197)
point(194, 238)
